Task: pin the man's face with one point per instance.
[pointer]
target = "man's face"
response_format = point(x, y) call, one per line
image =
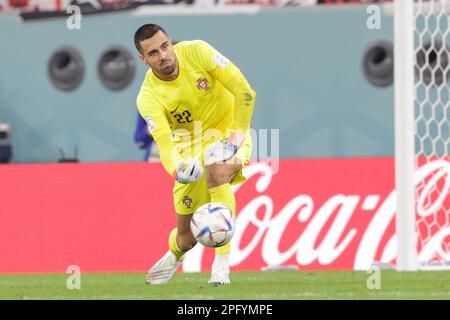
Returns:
point(157, 52)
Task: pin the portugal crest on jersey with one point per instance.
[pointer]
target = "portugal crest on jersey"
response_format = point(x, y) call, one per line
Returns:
point(187, 201)
point(202, 83)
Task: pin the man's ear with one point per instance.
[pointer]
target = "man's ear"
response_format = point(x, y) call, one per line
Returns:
point(141, 57)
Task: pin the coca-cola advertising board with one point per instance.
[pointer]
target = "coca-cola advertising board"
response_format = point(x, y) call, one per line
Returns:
point(315, 214)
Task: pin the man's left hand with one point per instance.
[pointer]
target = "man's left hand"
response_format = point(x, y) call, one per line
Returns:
point(219, 152)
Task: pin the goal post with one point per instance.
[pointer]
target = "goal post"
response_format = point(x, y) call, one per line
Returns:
point(422, 133)
point(404, 134)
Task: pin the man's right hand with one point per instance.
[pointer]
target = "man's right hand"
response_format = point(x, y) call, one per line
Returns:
point(188, 171)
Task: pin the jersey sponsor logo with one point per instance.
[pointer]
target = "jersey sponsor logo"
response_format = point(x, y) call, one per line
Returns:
point(151, 124)
point(202, 84)
point(187, 201)
point(221, 61)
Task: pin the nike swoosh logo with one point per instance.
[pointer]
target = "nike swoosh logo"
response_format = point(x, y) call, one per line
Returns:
point(175, 109)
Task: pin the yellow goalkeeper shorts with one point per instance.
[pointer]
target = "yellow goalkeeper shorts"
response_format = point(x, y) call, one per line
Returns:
point(188, 197)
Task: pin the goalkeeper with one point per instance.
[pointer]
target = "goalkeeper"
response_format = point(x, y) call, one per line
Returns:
point(198, 107)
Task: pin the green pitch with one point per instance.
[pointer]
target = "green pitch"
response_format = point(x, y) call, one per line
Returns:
point(245, 285)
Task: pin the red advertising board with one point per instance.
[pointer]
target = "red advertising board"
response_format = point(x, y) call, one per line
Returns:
point(317, 214)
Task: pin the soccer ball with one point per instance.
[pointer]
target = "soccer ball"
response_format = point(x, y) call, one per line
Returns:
point(213, 225)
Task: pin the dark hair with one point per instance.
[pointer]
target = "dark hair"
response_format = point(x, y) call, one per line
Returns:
point(144, 32)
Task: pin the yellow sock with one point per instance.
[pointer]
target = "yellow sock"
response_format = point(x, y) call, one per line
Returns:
point(173, 245)
point(223, 250)
point(223, 194)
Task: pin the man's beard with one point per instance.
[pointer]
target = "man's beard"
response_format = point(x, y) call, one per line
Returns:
point(168, 69)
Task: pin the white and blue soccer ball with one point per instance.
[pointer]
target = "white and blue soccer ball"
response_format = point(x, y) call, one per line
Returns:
point(213, 225)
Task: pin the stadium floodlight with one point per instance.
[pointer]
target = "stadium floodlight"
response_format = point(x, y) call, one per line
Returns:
point(422, 133)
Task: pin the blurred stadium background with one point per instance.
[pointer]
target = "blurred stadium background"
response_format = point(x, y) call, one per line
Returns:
point(76, 189)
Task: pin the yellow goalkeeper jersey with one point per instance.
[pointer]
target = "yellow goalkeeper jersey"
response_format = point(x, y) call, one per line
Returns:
point(210, 95)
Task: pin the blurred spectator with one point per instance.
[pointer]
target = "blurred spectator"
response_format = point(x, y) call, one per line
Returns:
point(18, 3)
point(5, 144)
point(144, 140)
point(349, 1)
point(100, 5)
point(293, 3)
point(278, 3)
point(260, 2)
point(282, 3)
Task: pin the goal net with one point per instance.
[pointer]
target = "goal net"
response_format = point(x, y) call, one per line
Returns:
point(423, 134)
point(432, 130)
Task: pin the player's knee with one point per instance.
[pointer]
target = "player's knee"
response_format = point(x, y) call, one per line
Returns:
point(216, 179)
point(219, 174)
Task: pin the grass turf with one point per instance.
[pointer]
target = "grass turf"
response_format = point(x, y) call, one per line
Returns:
point(245, 285)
